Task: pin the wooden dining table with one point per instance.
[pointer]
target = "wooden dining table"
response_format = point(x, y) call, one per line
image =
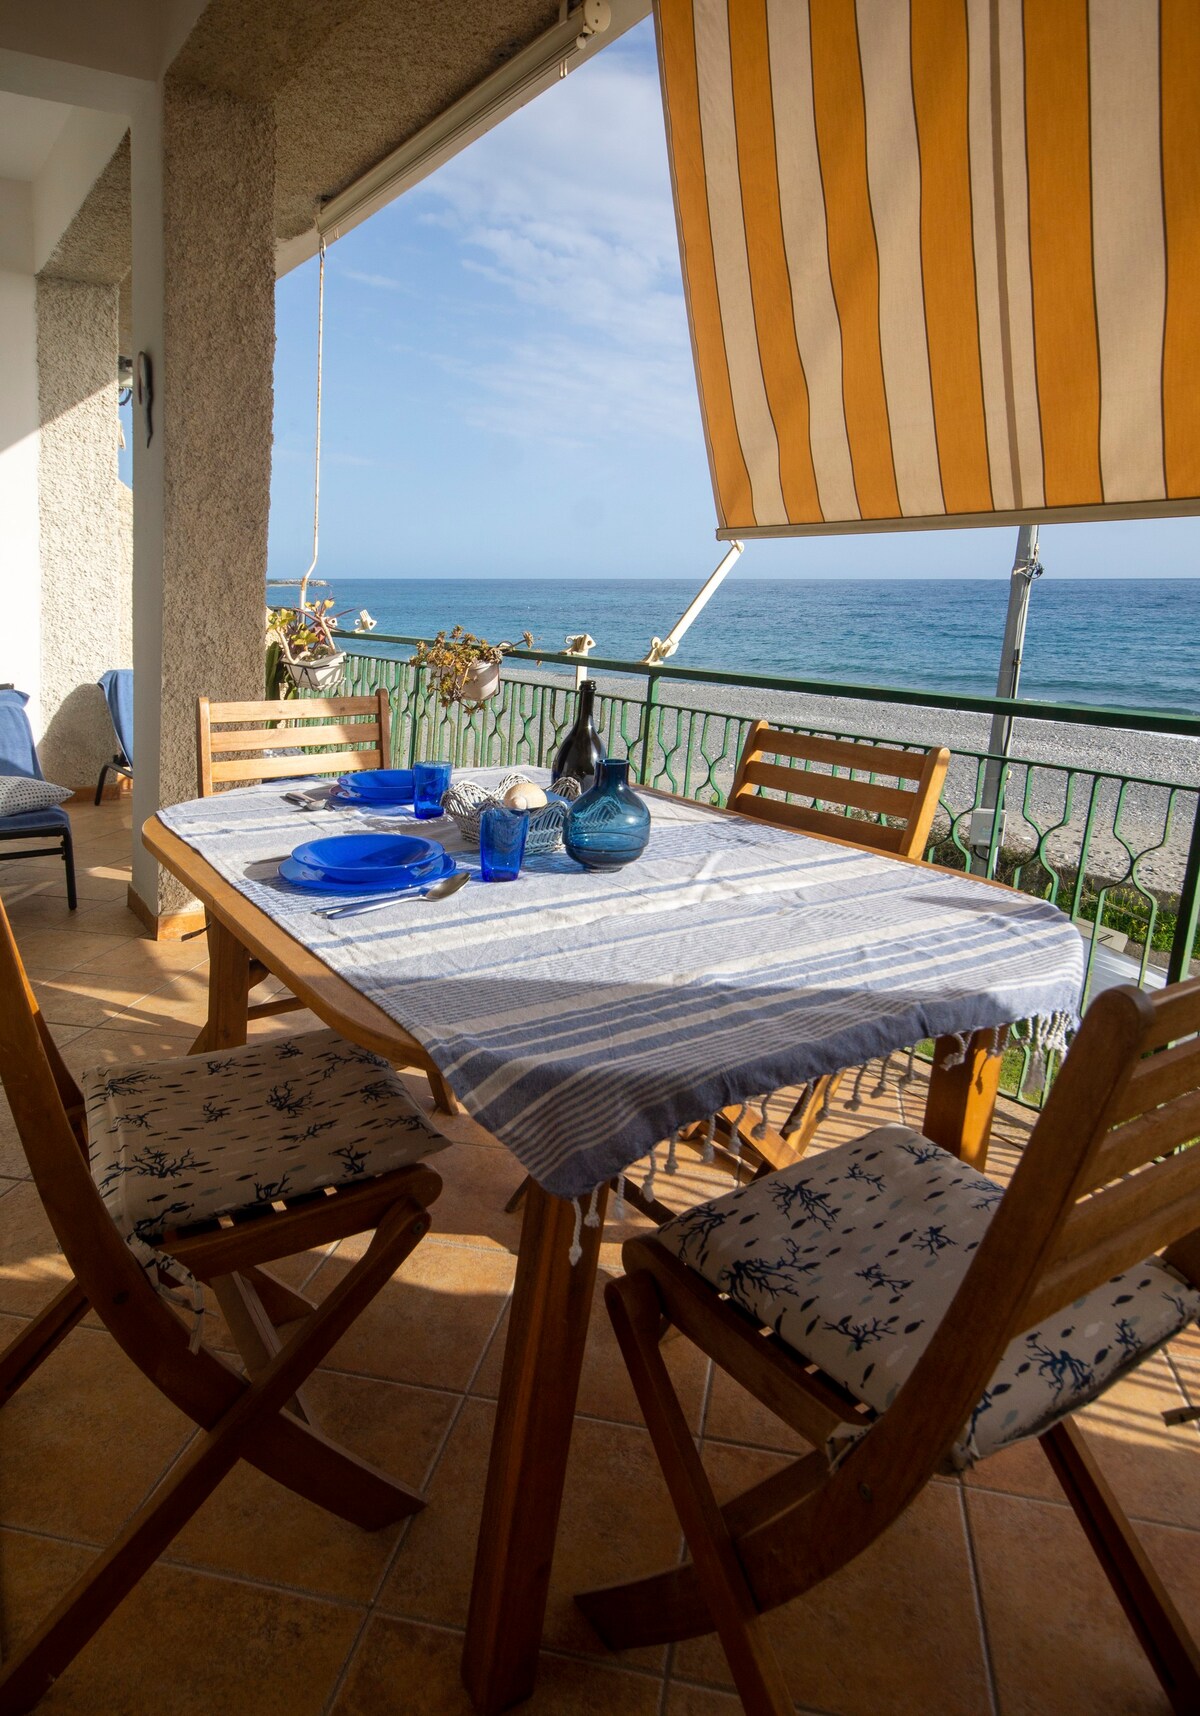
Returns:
point(552, 1295)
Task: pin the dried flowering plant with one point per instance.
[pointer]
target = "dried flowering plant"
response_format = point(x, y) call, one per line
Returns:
point(456, 659)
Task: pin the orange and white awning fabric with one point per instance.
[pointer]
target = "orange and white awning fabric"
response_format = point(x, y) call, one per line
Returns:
point(942, 257)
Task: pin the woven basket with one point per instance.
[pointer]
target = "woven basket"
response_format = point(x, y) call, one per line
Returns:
point(465, 802)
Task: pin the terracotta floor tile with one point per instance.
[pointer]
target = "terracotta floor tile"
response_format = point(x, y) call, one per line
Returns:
point(84, 1440)
point(189, 1644)
point(32, 1268)
point(114, 1045)
point(685, 1700)
point(87, 999)
point(605, 1390)
point(617, 1520)
point(431, 1322)
point(180, 1004)
point(477, 1181)
point(895, 1631)
point(425, 1663)
point(1151, 1466)
point(34, 1573)
point(256, 1528)
point(735, 1416)
point(44, 950)
point(150, 962)
point(1060, 1644)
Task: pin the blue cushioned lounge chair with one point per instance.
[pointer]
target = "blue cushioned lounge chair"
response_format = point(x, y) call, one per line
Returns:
point(117, 686)
point(19, 757)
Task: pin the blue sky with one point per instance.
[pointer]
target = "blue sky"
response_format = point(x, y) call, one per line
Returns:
point(509, 389)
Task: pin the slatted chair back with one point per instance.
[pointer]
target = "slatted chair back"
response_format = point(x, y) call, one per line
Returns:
point(337, 735)
point(831, 772)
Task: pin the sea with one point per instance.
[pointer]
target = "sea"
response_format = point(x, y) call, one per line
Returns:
point(1124, 643)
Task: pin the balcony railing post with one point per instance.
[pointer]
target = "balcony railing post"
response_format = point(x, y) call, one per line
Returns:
point(649, 714)
point(1188, 920)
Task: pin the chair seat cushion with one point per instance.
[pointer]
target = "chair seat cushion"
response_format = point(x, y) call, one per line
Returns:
point(52, 821)
point(180, 1141)
point(853, 1256)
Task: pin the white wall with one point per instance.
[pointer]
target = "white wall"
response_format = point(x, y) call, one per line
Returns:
point(20, 575)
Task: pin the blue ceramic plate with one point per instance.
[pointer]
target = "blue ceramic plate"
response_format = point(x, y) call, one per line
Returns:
point(303, 876)
point(379, 786)
point(373, 857)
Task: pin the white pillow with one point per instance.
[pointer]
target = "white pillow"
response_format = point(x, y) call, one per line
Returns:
point(20, 794)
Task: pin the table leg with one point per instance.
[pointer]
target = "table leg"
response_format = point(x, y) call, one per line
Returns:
point(228, 991)
point(543, 1357)
point(958, 1109)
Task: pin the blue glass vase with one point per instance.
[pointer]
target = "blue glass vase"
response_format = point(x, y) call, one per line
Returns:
point(609, 826)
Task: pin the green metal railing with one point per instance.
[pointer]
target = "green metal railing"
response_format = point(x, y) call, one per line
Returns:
point(1119, 852)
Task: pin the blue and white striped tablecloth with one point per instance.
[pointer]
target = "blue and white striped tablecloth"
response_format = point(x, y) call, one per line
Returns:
point(582, 1017)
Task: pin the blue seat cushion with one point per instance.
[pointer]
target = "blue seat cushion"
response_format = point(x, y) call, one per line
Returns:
point(52, 820)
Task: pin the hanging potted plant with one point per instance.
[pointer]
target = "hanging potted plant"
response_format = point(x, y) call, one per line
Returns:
point(465, 669)
point(301, 647)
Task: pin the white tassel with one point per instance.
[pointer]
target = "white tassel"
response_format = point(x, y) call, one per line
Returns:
point(909, 1073)
point(760, 1131)
point(672, 1150)
point(620, 1208)
point(881, 1087)
point(855, 1102)
point(576, 1251)
point(592, 1218)
point(826, 1097)
point(648, 1182)
point(710, 1133)
point(957, 1055)
point(735, 1134)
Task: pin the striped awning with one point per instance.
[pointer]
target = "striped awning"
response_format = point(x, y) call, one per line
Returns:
point(942, 257)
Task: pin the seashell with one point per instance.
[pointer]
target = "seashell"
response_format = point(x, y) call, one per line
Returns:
point(524, 795)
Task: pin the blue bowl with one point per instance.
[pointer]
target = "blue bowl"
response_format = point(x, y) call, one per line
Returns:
point(371, 858)
point(385, 786)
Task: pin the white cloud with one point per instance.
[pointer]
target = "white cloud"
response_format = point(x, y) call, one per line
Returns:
point(566, 209)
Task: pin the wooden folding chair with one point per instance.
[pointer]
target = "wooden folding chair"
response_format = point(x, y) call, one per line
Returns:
point(776, 769)
point(800, 1286)
point(231, 739)
point(225, 1165)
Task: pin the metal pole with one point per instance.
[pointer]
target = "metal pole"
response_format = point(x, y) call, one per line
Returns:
point(985, 834)
point(662, 648)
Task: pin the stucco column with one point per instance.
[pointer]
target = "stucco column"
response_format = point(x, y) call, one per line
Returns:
point(85, 595)
point(204, 312)
point(20, 585)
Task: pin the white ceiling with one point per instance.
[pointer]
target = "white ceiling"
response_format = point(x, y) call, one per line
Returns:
point(29, 129)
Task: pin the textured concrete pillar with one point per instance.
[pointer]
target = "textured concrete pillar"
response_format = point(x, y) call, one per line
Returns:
point(204, 312)
point(86, 619)
point(20, 583)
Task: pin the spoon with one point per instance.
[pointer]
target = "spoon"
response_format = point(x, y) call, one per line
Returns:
point(435, 891)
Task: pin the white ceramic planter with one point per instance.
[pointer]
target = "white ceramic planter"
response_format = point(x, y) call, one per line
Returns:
point(482, 682)
point(320, 675)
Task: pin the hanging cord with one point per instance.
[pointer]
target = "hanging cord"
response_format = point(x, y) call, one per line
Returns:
point(317, 444)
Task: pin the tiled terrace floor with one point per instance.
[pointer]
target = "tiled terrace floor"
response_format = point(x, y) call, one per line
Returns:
point(984, 1598)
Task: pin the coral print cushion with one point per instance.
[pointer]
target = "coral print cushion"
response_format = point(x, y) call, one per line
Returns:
point(20, 794)
point(853, 1256)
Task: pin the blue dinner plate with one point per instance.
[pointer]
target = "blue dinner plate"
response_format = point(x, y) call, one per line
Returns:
point(304, 876)
point(379, 786)
point(375, 857)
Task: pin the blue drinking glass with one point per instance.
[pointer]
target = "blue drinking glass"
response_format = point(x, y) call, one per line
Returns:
point(430, 781)
point(502, 842)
